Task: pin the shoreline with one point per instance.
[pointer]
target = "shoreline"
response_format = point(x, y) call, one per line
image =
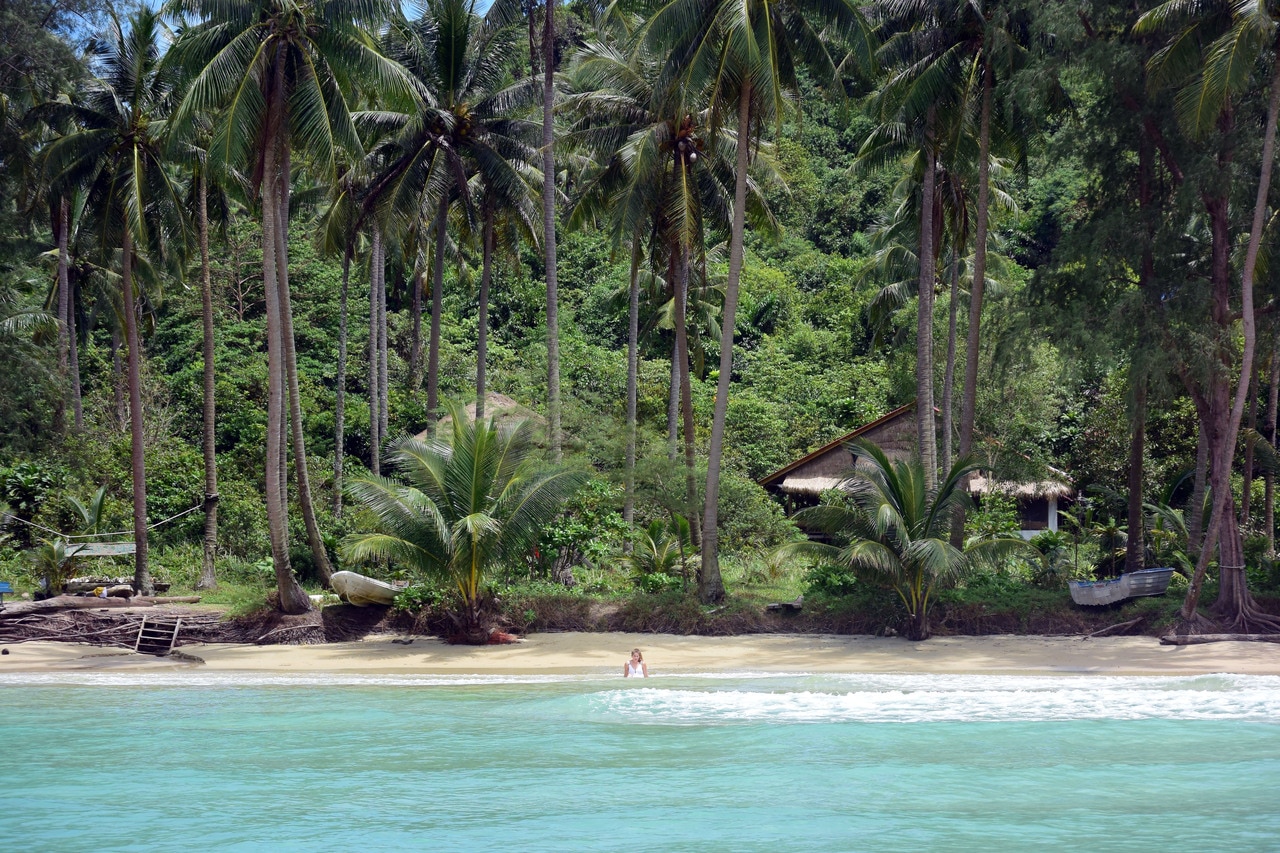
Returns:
point(603, 654)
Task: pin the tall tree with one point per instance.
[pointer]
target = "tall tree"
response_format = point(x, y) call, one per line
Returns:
point(1243, 34)
point(284, 72)
point(117, 155)
point(747, 55)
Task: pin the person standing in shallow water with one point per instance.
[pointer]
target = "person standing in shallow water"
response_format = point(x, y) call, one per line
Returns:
point(635, 668)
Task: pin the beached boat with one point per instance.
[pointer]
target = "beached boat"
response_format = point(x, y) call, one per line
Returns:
point(361, 591)
point(1128, 585)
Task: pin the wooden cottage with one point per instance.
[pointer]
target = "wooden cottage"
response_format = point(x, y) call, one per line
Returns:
point(802, 483)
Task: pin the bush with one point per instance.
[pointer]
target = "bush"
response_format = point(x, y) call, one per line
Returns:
point(830, 579)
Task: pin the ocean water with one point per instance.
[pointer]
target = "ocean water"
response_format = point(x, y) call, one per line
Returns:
point(733, 762)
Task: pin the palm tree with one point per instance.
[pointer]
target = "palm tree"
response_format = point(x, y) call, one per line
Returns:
point(1223, 72)
point(896, 529)
point(662, 180)
point(118, 156)
point(283, 70)
point(465, 127)
point(464, 507)
point(747, 54)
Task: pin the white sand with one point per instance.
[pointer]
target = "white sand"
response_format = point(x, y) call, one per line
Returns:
point(604, 654)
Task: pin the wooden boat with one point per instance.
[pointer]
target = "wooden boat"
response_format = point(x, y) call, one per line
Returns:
point(362, 591)
point(1128, 585)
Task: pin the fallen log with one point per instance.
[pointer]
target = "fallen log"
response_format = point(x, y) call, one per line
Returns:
point(68, 602)
point(1200, 639)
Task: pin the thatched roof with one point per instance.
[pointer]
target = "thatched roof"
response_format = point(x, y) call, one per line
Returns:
point(810, 485)
point(980, 485)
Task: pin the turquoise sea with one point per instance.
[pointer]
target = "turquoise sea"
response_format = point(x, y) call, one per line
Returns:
point(735, 762)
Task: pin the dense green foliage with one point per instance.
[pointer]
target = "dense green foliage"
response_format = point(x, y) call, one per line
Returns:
point(1111, 302)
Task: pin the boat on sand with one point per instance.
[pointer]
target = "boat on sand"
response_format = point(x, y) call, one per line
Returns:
point(1128, 585)
point(362, 591)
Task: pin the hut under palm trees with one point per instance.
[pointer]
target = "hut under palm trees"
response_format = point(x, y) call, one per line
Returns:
point(801, 483)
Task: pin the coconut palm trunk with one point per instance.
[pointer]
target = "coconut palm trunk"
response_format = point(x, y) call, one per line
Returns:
point(681, 278)
point(710, 583)
point(482, 321)
point(969, 396)
point(137, 458)
point(375, 435)
point(549, 228)
point(673, 404)
point(926, 431)
point(949, 374)
point(64, 318)
point(340, 387)
point(292, 597)
point(77, 395)
point(384, 380)
point(300, 469)
point(437, 307)
point(633, 371)
point(415, 345)
point(208, 578)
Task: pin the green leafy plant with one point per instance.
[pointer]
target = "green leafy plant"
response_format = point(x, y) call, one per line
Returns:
point(656, 561)
point(464, 505)
point(897, 531)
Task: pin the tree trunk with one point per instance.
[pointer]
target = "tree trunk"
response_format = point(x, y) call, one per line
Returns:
point(949, 375)
point(137, 458)
point(673, 405)
point(300, 469)
point(926, 430)
point(1199, 486)
point(1273, 398)
point(340, 404)
point(437, 307)
point(117, 374)
point(77, 396)
point(549, 228)
point(64, 326)
point(1247, 473)
point(977, 287)
point(415, 345)
point(208, 579)
point(375, 435)
point(384, 382)
point(292, 597)
point(1133, 555)
point(1234, 602)
point(482, 321)
point(633, 371)
point(710, 582)
point(686, 392)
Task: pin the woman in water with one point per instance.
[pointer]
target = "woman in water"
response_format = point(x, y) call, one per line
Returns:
point(636, 666)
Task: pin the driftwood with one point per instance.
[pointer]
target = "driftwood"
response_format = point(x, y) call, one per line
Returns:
point(68, 602)
point(1114, 630)
point(1199, 639)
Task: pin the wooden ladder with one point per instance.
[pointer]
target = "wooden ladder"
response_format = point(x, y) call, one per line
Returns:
point(157, 636)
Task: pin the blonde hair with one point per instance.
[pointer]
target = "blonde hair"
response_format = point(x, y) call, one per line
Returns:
point(638, 652)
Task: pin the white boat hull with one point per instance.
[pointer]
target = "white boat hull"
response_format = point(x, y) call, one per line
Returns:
point(362, 591)
point(1128, 585)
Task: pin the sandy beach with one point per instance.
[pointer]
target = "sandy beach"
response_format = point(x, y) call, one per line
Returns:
point(603, 654)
